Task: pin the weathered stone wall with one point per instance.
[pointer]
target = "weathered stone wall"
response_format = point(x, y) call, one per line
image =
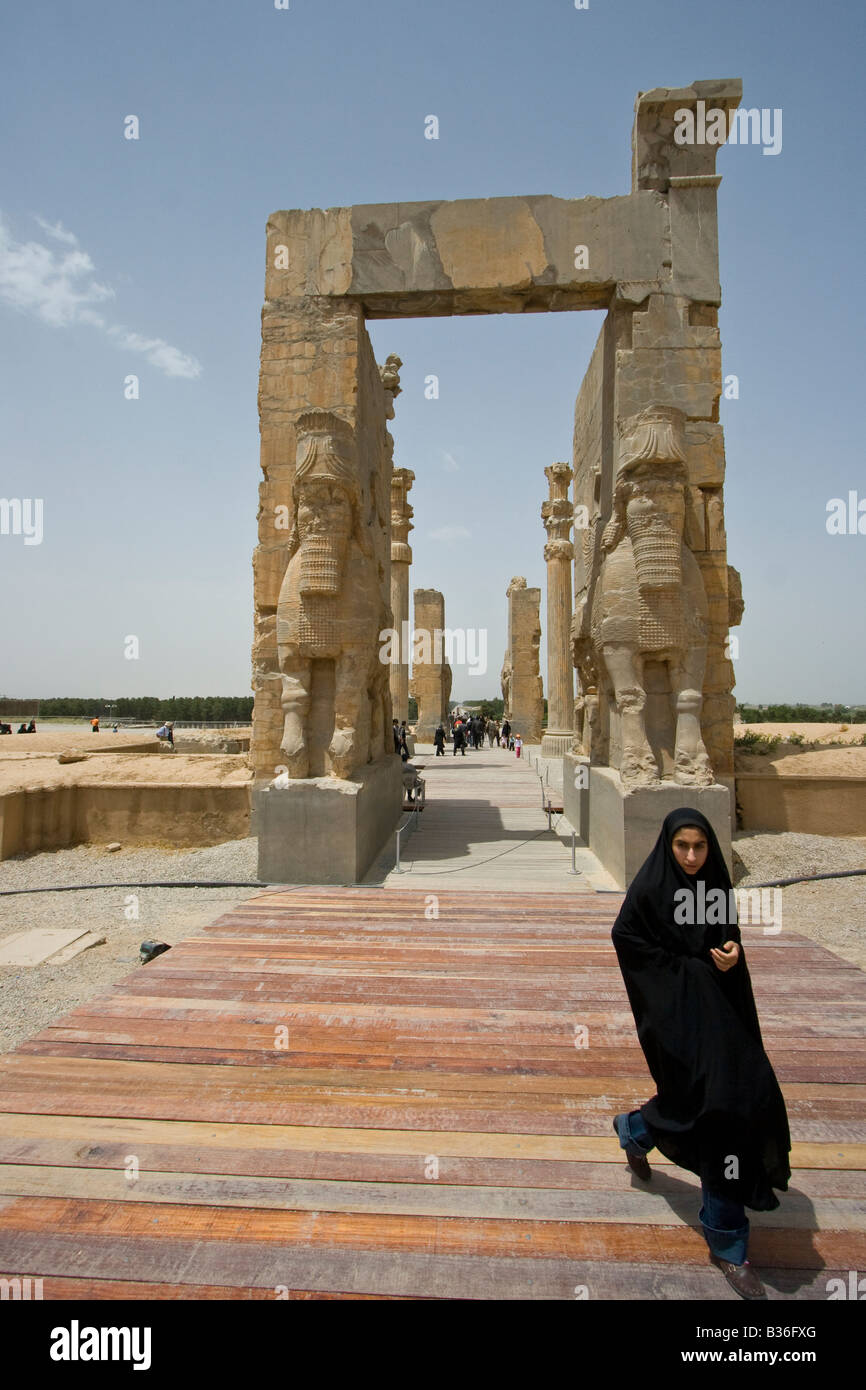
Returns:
point(316, 354)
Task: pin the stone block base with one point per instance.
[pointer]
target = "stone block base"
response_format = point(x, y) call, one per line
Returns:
point(624, 826)
point(575, 793)
point(555, 743)
point(324, 830)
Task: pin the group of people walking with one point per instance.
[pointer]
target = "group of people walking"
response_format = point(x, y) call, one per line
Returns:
point(470, 731)
point(22, 728)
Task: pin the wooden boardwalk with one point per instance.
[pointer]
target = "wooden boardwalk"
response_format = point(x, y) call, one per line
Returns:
point(338, 1093)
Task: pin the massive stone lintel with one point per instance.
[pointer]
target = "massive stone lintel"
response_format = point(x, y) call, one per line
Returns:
point(472, 256)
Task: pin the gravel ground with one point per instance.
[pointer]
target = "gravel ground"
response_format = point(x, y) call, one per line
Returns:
point(30, 998)
point(832, 913)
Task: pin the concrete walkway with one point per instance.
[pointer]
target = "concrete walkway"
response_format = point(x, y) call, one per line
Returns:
point(483, 827)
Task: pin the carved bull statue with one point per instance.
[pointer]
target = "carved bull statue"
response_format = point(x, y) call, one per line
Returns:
point(649, 601)
point(330, 606)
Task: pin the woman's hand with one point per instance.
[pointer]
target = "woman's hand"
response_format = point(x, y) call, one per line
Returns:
point(725, 957)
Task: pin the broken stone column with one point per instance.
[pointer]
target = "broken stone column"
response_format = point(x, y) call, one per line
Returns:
point(401, 558)
point(431, 674)
point(556, 513)
point(521, 681)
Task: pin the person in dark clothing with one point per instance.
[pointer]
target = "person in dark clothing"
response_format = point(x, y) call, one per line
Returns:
point(718, 1111)
point(505, 732)
point(459, 739)
point(396, 732)
point(439, 741)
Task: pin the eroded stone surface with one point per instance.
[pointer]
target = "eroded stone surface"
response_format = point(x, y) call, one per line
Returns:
point(431, 674)
point(520, 678)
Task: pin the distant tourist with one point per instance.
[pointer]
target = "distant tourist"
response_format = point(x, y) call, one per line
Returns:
point(31, 727)
point(167, 733)
point(5, 729)
point(396, 732)
point(94, 725)
point(459, 739)
point(518, 745)
point(439, 741)
point(506, 733)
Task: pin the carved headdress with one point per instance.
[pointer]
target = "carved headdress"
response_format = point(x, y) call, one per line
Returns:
point(326, 452)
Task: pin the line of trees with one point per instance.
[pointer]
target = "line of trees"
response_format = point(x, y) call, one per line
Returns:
point(801, 714)
point(145, 707)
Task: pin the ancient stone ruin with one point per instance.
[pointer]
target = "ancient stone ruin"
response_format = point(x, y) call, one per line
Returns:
point(557, 516)
point(654, 596)
point(431, 673)
point(521, 683)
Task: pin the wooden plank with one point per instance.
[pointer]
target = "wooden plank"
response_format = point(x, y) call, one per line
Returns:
point(198, 1263)
point(637, 1206)
point(527, 1239)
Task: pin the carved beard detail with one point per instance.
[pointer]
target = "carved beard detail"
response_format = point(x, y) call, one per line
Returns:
point(656, 547)
point(321, 564)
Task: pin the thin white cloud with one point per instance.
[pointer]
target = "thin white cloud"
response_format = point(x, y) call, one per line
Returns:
point(58, 287)
point(450, 533)
point(58, 231)
point(450, 464)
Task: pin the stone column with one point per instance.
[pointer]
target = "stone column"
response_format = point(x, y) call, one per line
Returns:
point(401, 558)
point(521, 681)
point(557, 515)
point(431, 675)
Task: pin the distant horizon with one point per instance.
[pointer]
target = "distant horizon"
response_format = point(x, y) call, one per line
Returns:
point(453, 699)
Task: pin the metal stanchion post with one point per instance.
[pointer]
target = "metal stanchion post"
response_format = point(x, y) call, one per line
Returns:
point(574, 869)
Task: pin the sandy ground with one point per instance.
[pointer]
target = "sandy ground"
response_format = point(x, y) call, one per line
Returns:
point(814, 760)
point(812, 733)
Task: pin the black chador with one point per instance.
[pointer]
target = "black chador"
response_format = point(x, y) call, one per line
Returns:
point(718, 1111)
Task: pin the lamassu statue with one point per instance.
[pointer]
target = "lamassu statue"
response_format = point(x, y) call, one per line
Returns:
point(649, 601)
point(330, 608)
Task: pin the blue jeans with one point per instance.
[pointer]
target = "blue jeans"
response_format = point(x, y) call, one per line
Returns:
point(724, 1222)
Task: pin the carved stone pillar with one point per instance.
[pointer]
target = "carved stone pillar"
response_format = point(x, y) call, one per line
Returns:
point(401, 558)
point(431, 674)
point(521, 681)
point(557, 515)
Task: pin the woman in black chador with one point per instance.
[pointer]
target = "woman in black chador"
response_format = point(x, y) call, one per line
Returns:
point(718, 1111)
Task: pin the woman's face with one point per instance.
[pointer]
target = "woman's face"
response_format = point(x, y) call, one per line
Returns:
point(690, 848)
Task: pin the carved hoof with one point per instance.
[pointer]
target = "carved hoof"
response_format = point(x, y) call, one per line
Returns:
point(639, 772)
point(342, 750)
point(693, 772)
point(297, 762)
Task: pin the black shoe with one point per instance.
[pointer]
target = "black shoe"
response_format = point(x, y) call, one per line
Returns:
point(637, 1161)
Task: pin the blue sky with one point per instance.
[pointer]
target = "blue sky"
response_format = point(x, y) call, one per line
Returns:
point(146, 257)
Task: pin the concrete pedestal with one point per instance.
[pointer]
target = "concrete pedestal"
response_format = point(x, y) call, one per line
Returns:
point(324, 830)
point(624, 826)
point(575, 793)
